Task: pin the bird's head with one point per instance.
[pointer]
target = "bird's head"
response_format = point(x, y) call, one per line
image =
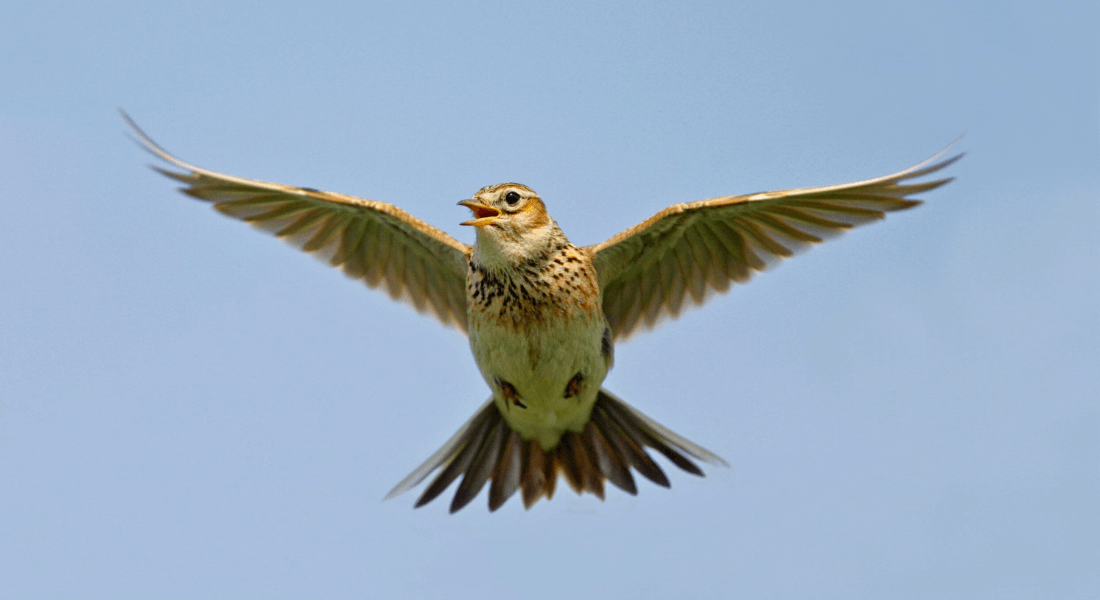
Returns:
point(512, 223)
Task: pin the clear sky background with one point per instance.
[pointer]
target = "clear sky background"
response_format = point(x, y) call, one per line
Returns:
point(191, 409)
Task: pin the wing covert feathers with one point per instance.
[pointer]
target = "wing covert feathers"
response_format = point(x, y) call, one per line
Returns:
point(486, 450)
point(689, 252)
point(375, 242)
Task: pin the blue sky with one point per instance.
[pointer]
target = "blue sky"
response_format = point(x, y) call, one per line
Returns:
point(191, 409)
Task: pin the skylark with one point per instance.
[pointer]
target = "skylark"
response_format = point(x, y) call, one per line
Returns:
point(542, 314)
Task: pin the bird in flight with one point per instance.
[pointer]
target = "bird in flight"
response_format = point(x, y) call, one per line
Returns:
point(542, 314)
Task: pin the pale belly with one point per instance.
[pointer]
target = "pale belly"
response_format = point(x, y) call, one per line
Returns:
point(544, 378)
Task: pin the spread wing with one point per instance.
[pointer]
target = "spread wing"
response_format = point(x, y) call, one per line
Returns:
point(373, 241)
point(688, 252)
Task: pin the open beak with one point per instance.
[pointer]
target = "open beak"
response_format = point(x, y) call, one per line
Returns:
point(483, 213)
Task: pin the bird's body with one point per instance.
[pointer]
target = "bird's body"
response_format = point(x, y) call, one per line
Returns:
point(542, 315)
point(537, 330)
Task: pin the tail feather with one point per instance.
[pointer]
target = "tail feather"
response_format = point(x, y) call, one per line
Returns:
point(632, 450)
point(481, 468)
point(610, 462)
point(487, 450)
point(443, 455)
point(508, 473)
point(463, 456)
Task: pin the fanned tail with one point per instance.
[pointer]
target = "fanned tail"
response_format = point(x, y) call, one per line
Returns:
point(487, 450)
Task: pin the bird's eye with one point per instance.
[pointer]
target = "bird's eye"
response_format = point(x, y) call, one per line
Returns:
point(511, 198)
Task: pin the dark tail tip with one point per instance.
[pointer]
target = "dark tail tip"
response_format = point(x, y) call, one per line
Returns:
point(612, 443)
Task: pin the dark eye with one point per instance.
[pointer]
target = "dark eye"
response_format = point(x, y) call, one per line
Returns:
point(511, 198)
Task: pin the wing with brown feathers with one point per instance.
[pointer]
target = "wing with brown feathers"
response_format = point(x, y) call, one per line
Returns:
point(688, 252)
point(373, 241)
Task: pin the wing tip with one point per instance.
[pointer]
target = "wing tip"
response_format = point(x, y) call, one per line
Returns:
point(142, 139)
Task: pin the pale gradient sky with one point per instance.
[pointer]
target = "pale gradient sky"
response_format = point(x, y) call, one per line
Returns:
point(190, 409)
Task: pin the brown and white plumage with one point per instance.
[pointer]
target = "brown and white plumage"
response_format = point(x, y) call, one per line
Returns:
point(375, 242)
point(688, 252)
point(543, 314)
